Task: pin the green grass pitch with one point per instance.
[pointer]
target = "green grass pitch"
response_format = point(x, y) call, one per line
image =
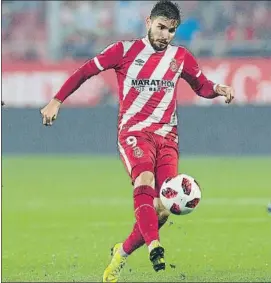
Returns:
point(61, 215)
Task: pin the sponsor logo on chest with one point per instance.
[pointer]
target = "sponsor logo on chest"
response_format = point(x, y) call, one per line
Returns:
point(152, 85)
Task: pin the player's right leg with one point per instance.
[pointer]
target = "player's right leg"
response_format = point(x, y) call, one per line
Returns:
point(147, 218)
point(138, 153)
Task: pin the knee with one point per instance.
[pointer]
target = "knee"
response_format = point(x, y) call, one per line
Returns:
point(144, 184)
point(145, 179)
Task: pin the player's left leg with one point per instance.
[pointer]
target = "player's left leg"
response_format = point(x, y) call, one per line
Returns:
point(166, 167)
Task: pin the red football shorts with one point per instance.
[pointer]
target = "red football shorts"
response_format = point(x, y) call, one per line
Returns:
point(143, 151)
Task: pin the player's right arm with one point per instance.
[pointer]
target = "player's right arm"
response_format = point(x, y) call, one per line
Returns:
point(108, 59)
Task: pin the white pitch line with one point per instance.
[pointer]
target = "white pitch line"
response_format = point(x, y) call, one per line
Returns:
point(235, 201)
point(125, 202)
point(209, 201)
point(177, 222)
point(221, 220)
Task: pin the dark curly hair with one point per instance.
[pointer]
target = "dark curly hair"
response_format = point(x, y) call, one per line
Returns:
point(167, 9)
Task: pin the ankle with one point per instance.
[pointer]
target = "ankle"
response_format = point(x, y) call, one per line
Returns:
point(122, 252)
point(153, 244)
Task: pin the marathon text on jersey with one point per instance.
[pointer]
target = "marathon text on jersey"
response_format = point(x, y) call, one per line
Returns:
point(152, 85)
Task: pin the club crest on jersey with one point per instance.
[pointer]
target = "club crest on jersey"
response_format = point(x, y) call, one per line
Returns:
point(174, 66)
point(138, 152)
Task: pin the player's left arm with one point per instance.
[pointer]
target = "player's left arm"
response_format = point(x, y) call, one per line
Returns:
point(200, 84)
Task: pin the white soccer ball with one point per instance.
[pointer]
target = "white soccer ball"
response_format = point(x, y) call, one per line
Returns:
point(181, 194)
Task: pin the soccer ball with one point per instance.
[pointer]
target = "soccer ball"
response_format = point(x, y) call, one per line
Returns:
point(181, 194)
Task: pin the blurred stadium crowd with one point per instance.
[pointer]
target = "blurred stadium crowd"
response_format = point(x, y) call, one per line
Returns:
point(209, 28)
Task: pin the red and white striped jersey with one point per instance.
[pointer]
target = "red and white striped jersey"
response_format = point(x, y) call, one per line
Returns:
point(147, 82)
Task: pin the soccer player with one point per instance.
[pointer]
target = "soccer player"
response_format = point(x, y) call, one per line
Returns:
point(148, 70)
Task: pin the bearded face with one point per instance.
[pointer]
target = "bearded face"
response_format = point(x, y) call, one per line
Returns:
point(161, 32)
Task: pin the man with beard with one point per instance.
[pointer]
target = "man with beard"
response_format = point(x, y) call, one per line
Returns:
point(148, 71)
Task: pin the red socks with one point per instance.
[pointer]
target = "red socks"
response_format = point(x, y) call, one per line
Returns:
point(145, 213)
point(134, 241)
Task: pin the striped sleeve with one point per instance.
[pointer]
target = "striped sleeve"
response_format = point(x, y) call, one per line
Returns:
point(195, 77)
point(108, 59)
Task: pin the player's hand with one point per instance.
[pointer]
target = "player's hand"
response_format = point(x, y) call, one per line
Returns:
point(49, 112)
point(226, 91)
